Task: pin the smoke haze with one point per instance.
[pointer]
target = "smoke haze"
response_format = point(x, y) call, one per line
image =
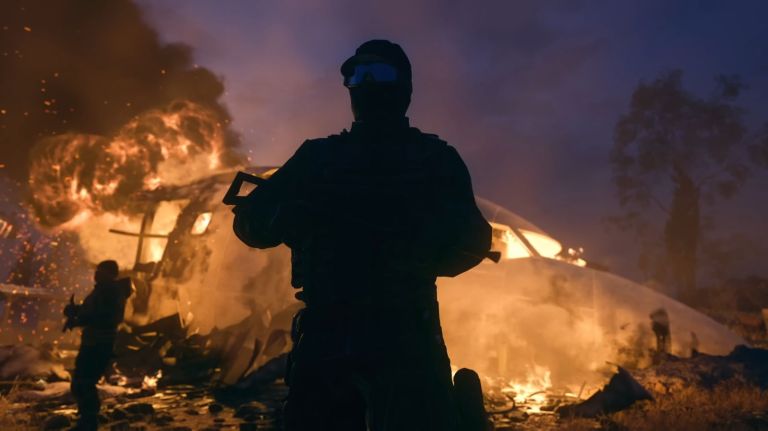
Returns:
point(87, 67)
point(529, 92)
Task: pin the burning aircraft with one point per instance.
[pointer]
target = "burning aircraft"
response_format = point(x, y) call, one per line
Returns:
point(544, 318)
point(540, 318)
point(541, 314)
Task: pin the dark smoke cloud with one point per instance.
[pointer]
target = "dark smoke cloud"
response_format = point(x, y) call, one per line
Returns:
point(88, 67)
point(528, 91)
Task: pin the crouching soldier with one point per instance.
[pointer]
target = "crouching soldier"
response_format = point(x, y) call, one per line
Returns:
point(99, 315)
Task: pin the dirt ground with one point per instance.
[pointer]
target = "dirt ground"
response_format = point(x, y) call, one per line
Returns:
point(699, 393)
point(729, 406)
point(176, 408)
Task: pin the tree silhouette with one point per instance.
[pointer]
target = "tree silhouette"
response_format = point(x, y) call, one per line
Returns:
point(758, 150)
point(672, 152)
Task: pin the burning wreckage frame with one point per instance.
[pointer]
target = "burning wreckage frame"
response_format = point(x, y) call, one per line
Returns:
point(542, 328)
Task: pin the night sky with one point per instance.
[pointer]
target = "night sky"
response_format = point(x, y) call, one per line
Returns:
point(527, 91)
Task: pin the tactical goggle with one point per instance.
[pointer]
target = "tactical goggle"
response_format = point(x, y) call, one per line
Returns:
point(371, 73)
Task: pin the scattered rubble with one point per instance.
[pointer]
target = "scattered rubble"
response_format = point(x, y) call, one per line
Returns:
point(22, 361)
point(620, 393)
point(182, 407)
point(202, 406)
point(746, 365)
point(57, 421)
point(215, 408)
point(140, 409)
point(166, 380)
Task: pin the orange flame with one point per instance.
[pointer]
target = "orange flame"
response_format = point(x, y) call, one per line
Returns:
point(150, 382)
point(76, 176)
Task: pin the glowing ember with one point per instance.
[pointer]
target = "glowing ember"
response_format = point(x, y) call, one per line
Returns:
point(150, 382)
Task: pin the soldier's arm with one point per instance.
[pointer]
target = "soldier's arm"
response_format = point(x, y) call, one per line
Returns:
point(462, 235)
point(86, 312)
point(262, 222)
point(103, 310)
point(104, 306)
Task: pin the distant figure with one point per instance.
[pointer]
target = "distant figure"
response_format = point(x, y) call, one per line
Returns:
point(372, 216)
point(99, 314)
point(694, 344)
point(660, 326)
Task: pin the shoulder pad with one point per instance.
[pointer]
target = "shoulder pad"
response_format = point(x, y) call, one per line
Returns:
point(433, 141)
point(330, 139)
point(429, 137)
point(427, 146)
point(337, 136)
point(316, 141)
point(319, 149)
point(317, 144)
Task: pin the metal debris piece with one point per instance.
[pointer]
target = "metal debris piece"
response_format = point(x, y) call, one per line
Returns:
point(621, 392)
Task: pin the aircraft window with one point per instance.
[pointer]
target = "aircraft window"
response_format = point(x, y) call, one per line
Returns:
point(149, 233)
point(201, 223)
point(506, 242)
point(515, 237)
point(546, 246)
point(162, 224)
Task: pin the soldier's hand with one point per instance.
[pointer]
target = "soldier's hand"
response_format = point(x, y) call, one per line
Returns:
point(70, 311)
point(69, 324)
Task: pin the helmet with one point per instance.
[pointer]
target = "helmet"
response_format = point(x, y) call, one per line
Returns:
point(378, 77)
point(378, 61)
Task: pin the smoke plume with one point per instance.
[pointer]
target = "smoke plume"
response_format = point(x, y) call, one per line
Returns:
point(87, 90)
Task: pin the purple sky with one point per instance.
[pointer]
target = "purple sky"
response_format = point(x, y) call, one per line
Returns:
point(527, 91)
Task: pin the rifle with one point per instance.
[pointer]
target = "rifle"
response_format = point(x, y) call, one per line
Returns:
point(70, 311)
point(233, 197)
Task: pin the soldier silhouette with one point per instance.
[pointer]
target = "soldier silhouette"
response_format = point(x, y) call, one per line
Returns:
point(661, 328)
point(99, 314)
point(372, 216)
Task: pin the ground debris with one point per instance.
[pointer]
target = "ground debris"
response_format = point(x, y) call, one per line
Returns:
point(23, 361)
point(168, 409)
point(118, 414)
point(252, 410)
point(621, 392)
point(746, 365)
point(143, 409)
point(215, 408)
point(59, 392)
point(205, 406)
point(57, 421)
